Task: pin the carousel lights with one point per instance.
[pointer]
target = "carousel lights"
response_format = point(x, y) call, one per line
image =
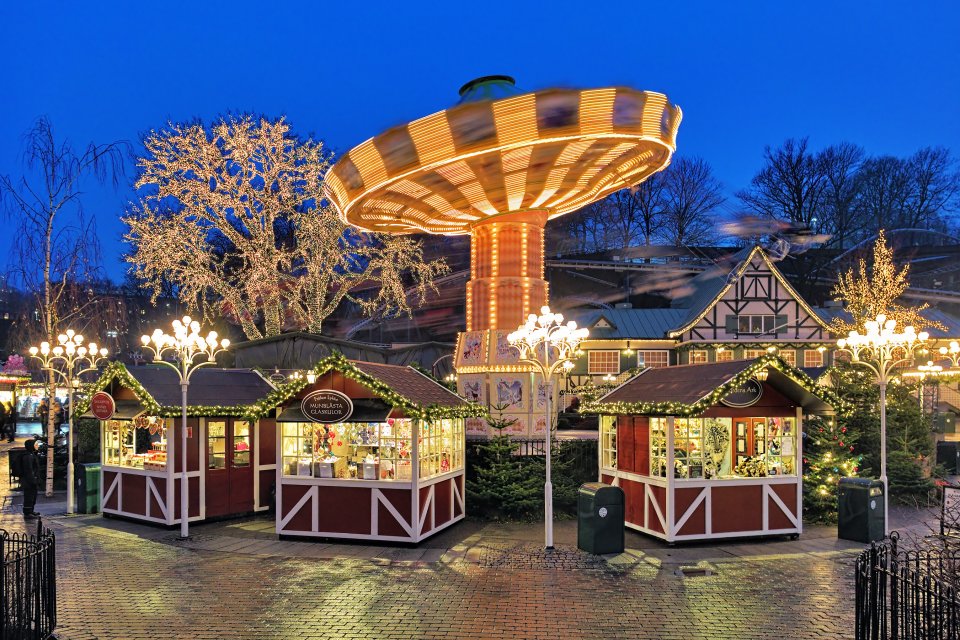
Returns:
point(69, 360)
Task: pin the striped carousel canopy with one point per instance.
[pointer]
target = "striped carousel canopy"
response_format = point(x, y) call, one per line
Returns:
point(500, 150)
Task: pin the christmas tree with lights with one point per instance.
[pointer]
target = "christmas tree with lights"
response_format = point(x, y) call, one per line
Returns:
point(828, 456)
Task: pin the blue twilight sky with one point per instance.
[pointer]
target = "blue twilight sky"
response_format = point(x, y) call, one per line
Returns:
point(885, 75)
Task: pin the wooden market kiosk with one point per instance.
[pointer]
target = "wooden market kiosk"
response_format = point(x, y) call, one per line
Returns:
point(369, 451)
point(231, 454)
point(730, 435)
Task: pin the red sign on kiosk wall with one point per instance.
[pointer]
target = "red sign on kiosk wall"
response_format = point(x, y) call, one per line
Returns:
point(102, 405)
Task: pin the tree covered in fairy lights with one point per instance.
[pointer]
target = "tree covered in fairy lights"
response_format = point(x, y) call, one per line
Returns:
point(233, 219)
point(871, 289)
point(828, 456)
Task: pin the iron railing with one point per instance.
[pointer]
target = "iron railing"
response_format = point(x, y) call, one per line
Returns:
point(907, 595)
point(28, 585)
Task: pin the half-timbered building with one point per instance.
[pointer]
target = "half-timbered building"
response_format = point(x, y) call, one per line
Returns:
point(741, 309)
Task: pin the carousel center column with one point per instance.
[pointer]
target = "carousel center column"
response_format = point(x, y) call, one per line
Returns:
point(506, 285)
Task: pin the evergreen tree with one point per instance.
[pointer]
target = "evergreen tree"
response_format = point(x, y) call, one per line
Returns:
point(828, 456)
point(506, 485)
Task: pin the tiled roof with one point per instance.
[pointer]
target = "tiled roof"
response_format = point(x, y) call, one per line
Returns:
point(208, 387)
point(411, 384)
point(685, 383)
point(651, 324)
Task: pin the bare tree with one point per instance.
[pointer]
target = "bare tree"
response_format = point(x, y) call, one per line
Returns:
point(651, 205)
point(691, 195)
point(789, 187)
point(839, 216)
point(243, 205)
point(934, 187)
point(883, 192)
point(57, 249)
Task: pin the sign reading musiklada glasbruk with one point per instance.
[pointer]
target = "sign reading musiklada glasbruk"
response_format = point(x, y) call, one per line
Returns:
point(326, 406)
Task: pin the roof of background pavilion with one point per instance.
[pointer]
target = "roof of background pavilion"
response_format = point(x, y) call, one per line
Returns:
point(692, 389)
point(212, 391)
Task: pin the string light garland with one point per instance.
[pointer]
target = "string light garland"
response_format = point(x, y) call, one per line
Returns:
point(116, 371)
point(675, 408)
point(339, 363)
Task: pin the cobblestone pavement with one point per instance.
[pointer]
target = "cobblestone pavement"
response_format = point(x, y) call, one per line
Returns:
point(117, 582)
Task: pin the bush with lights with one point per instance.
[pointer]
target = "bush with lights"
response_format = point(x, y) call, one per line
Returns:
point(829, 455)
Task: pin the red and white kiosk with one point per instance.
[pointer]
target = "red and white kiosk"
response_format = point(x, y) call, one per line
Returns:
point(710, 450)
point(231, 456)
point(369, 451)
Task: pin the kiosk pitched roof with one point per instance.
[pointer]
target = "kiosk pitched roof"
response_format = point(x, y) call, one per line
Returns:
point(692, 389)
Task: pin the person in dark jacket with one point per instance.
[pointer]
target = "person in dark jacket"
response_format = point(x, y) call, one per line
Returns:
point(11, 423)
point(29, 477)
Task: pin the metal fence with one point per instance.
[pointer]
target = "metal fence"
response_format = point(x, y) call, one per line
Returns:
point(907, 595)
point(28, 585)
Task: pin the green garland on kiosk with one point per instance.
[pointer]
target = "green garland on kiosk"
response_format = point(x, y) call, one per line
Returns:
point(337, 362)
point(116, 371)
point(714, 397)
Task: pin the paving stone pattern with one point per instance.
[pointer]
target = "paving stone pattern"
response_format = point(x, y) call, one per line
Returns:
point(115, 581)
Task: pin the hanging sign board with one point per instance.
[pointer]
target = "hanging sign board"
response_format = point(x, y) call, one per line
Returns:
point(327, 406)
point(102, 405)
point(745, 395)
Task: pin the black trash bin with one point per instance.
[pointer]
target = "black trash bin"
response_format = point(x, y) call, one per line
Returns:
point(947, 456)
point(88, 487)
point(860, 510)
point(600, 518)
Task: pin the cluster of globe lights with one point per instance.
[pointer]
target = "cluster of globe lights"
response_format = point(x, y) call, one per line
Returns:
point(186, 340)
point(549, 328)
point(70, 346)
point(881, 334)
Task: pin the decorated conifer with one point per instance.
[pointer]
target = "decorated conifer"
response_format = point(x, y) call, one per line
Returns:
point(503, 484)
point(828, 456)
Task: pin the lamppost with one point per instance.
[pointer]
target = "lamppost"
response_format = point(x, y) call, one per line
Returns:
point(184, 345)
point(69, 360)
point(547, 345)
point(881, 350)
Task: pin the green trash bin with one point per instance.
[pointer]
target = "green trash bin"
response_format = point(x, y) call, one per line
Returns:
point(88, 487)
point(860, 510)
point(600, 518)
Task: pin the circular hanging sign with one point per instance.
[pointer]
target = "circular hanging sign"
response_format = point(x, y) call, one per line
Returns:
point(102, 405)
point(744, 395)
point(326, 406)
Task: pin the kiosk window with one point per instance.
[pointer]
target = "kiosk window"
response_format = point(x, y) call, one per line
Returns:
point(241, 444)
point(216, 444)
point(608, 441)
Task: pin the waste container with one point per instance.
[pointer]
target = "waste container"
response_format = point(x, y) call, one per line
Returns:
point(88, 487)
point(600, 518)
point(947, 456)
point(860, 510)
point(13, 460)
